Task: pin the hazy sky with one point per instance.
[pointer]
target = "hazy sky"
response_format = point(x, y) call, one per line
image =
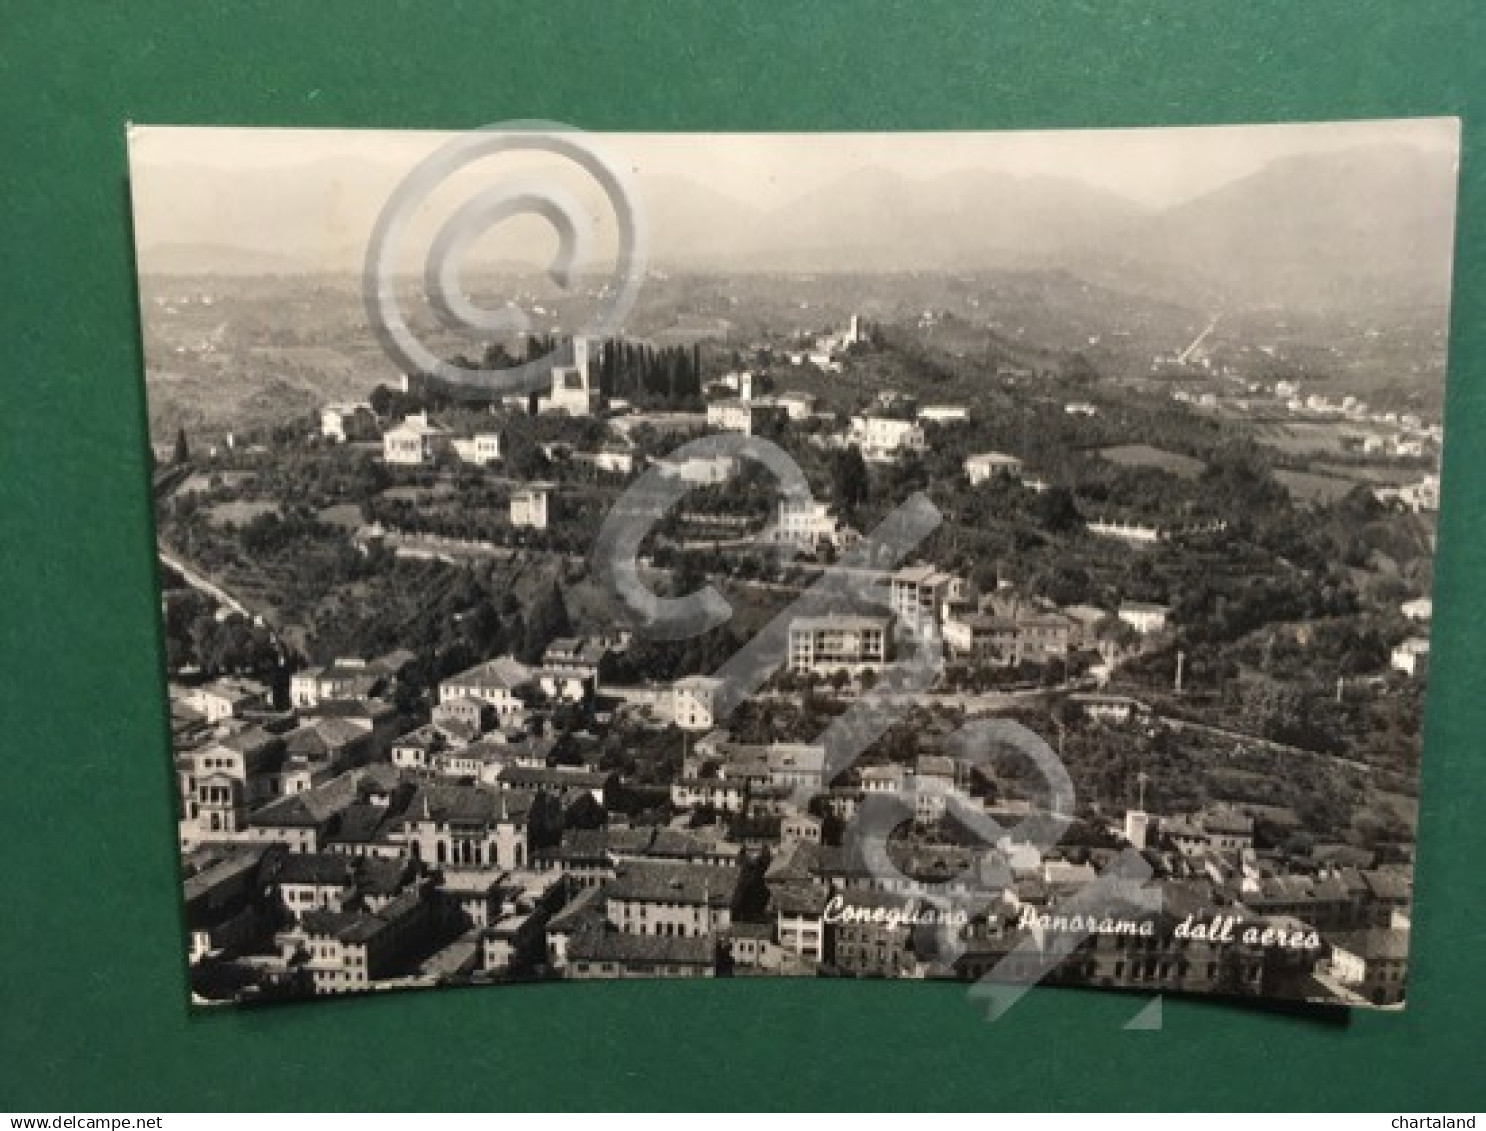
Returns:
point(1157, 167)
point(311, 194)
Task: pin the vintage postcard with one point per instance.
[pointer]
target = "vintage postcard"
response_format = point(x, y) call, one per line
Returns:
point(994, 557)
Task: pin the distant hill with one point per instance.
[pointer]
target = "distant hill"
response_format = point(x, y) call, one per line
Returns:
point(1363, 225)
point(217, 259)
point(1360, 225)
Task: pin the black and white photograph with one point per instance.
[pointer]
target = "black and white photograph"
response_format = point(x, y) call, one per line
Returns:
point(1003, 558)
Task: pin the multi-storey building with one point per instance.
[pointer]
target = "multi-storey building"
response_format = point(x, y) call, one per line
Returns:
point(694, 701)
point(678, 900)
point(920, 593)
point(839, 642)
point(885, 439)
point(498, 682)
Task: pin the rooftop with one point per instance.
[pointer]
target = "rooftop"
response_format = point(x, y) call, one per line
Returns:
point(674, 883)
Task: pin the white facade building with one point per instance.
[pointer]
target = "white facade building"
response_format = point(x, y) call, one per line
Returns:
point(530, 507)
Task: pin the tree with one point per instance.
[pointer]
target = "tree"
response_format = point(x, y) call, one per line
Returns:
point(548, 621)
point(849, 481)
point(1057, 511)
point(182, 449)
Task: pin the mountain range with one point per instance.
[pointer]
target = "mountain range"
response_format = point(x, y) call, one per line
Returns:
point(1369, 224)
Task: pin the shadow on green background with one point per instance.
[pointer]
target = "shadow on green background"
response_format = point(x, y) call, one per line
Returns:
point(92, 1013)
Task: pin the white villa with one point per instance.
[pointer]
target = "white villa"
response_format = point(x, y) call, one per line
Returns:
point(985, 466)
point(415, 441)
point(884, 439)
point(530, 506)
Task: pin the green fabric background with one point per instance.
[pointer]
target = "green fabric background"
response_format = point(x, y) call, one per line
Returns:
point(92, 1009)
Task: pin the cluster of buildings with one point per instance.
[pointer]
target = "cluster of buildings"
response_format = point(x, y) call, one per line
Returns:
point(338, 844)
point(335, 839)
point(1385, 434)
point(826, 351)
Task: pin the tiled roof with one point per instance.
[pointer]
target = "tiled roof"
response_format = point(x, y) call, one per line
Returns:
point(800, 899)
point(318, 805)
point(319, 868)
point(463, 804)
point(619, 947)
point(585, 911)
point(559, 777)
point(1386, 885)
point(648, 882)
point(503, 672)
point(1375, 944)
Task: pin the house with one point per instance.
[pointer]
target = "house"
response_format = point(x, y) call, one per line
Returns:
point(1084, 622)
point(1373, 963)
point(480, 449)
point(567, 783)
point(694, 702)
point(887, 778)
point(225, 779)
point(1033, 636)
point(1412, 656)
point(799, 919)
point(614, 460)
point(884, 439)
point(678, 900)
point(530, 507)
point(345, 678)
point(726, 794)
point(482, 762)
point(570, 668)
point(796, 405)
point(1143, 617)
point(222, 886)
point(415, 441)
point(464, 717)
point(348, 421)
point(932, 781)
point(1420, 609)
point(982, 635)
point(598, 953)
point(417, 749)
point(985, 466)
point(800, 827)
point(498, 682)
point(809, 525)
point(1228, 829)
point(826, 644)
point(742, 415)
point(797, 765)
point(314, 881)
point(871, 933)
point(347, 951)
point(752, 945)
point(230, 697)
point(318, 748)
point(307, 821)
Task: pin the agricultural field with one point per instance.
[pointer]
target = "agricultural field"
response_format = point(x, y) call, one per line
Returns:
point(1144, 455)
point(1308, 487)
